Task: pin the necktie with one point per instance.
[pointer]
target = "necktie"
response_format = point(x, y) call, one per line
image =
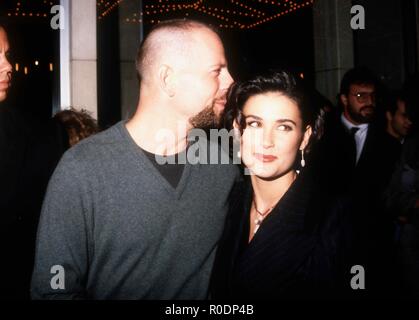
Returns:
point(353, 131)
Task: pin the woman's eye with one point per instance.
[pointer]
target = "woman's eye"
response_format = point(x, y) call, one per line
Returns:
point(253, 124)
point(284, 127)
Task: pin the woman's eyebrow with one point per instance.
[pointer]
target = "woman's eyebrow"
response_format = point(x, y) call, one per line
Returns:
point(278, 121)
point(253, 116)
point(286, 120)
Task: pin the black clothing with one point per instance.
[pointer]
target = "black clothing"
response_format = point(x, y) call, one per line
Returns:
point(29, 151)
point(334, 165)
point(364, 184)
point(296, 253)
point(171, 170)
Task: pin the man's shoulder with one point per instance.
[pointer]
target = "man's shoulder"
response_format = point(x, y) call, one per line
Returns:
point(215, 157)
point(99, 146)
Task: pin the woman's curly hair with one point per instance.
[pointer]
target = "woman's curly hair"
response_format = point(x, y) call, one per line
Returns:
point(78, 124)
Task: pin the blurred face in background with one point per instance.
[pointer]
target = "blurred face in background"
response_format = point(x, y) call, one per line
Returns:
point(399, 123)
point(5, 66)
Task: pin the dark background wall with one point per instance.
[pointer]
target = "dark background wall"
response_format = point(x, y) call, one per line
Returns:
point(108, 73)
point(388, 43)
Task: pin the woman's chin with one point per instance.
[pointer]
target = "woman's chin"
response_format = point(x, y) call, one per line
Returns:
point(263, 173)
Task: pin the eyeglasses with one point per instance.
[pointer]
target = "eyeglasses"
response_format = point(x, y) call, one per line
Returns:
point(363, 97)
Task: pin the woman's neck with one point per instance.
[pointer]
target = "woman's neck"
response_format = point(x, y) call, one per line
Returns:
point(268, 192)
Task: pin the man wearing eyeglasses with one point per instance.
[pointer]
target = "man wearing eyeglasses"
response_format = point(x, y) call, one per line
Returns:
point(346, 151)
point(352, 161)
point(358, 89)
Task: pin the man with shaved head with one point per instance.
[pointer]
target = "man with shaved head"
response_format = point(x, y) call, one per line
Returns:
point(118, 224)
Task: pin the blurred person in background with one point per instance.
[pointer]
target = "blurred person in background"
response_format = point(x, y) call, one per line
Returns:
point(78, 125)
point(29, 151)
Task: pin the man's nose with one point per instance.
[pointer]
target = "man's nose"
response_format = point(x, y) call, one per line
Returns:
point(409, 122)
point(226, 80)
point(370, 99)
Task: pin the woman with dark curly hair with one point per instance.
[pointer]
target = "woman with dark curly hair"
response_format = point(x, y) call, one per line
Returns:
point(77, 124)
point(281, 238)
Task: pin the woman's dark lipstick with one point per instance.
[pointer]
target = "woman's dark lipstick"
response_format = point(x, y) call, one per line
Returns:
point(265, 157)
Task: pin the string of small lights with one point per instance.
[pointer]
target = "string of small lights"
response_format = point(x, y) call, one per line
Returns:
point(232, 14)
point(184, 6)
point(31, 12)
point(238, 3)
point(106, 7)
point(235, 15)
point(282, 13)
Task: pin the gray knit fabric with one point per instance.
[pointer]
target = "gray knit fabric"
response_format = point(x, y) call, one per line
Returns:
point(120, 231)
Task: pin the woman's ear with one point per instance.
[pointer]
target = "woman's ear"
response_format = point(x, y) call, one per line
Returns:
point(236, 130)
point(306, 138)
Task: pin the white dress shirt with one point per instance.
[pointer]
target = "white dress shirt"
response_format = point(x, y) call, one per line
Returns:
point(360, 135)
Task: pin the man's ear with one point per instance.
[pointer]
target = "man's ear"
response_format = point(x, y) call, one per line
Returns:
point(343, 99)
point(306, 138)
point(389, 116)
point(167, 80)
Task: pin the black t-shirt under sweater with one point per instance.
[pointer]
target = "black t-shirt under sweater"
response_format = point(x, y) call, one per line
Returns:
point(172, 170)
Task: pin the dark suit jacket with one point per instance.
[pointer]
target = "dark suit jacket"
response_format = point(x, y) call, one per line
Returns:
point(364, 186)
point(403, 191)
point(29, 152)
point(332, 161)
point(296, 252)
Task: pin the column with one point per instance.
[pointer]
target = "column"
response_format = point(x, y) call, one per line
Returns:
point(79, 56)
point(130, 37)
point(333, 44)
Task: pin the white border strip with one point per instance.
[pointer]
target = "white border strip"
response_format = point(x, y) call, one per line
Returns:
point(65, 76)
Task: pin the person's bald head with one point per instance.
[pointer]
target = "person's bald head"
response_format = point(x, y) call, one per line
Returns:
point(171, 43)
point(182, 67)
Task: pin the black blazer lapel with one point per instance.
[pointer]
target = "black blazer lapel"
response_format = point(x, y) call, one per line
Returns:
point(232, 240)
point(281, 245)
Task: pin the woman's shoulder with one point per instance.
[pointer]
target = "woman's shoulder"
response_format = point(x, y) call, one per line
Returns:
point(241, 191)
point(326, 211)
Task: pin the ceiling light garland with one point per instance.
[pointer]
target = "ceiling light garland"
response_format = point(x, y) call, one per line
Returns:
point(31, 10)
point(235, 15)
point(232, 14)
point(259, 13)
point(280, 14)
point(105, 7)
point(184, 6)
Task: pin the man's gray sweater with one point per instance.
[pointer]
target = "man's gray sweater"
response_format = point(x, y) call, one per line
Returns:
point(113, 228)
